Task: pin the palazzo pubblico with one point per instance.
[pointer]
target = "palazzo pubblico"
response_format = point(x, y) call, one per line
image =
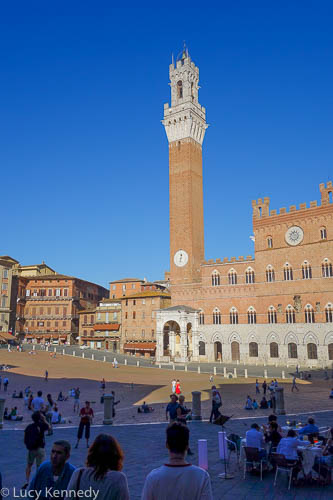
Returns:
point(273, 309)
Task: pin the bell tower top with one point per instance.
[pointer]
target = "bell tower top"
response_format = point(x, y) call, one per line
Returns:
point(186, 118)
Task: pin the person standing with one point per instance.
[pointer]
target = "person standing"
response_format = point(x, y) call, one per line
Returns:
point(86, 415)
point(173, 386)
point(264, 387)
point(171, 409)
point(5, 384)
point(46, 375)
point(182, 412)
point(76, 400)
point(216, 404)
point(34, 441)
point(37, 403)
point(294, 386)
point(257, 387)
point(178, 388)
point(0, 382)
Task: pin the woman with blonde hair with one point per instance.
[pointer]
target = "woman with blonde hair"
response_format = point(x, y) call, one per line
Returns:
point(103, 471)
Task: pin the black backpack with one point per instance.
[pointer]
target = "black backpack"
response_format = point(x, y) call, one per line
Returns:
point(33, 437)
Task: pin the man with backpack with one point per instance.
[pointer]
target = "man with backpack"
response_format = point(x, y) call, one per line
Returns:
point(34, 441)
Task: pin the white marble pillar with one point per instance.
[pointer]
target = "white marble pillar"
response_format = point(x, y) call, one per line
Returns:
point(108, 409)
point(172, 343)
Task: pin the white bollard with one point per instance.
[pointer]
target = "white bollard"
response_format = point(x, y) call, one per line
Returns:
point(203, 454)
point(74, 353)
point(198, 369)
point(104, 359)
point(186, 368)
point(125, 362)
point(93, 357)
point(159, 365)
point(33, 347)
point(63, 352)
point(83, 354)
point(214, 370)
point(138, 363)
point(224, 372)
point(47, 348)
point(237, 362)
point(55, 349)
point(245, 372)
point(265, 373)
point(235, 373)
point(173, 366)
point(283, 375)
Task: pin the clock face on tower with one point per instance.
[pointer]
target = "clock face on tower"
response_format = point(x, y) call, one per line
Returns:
point(180, 258)
point(294, 235)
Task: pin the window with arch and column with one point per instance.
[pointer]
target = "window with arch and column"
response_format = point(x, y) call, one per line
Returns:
point(202, 348)
point(323, 233)
point(326, 269)
point(290, 314)
point(292, 350)
point(270, 274)
point(253, 349)
point(274, 350)
point(329, 313)
point(312, 351)
point(249, 276)
point(233, 316)
point(201, 318)
point(306, 271)
point(216, 317)
point(272, 316)
point(232, 277)
point(309, 314)
point(269, 242)
point(179, 89)
point(216, 281)
point(251, 316)
point(288, 272)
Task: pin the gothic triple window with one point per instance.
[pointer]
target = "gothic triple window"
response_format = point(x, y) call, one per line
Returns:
point(327, 269)
point(272, 317)
point(329, 313)
point(306, 271)
point(216, 278)
point(288, 272)
point(249, 275)
point(309, 314)
point(270, 274)
point(232, 276)
point(216, 317)
point(290, 314)
point(251, 316)
point(233, 316)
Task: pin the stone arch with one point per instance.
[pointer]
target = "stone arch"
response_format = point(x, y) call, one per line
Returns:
point(234, 337)
point(252, 338)
point(202, 337)
point(310, 338)
point(328, 338)
point(217, 337)
point(273, 337)
point(291, 338)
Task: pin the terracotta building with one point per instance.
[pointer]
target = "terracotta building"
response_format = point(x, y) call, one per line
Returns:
point(273, 308)
point(52, 306)
point(8, 290)
point(125, 287)
point(100, 327)
point(139, 321)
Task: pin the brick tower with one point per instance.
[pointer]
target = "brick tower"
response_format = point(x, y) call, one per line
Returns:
point(185, 126)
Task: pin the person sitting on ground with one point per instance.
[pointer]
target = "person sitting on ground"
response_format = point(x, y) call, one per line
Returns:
point(255, 405)
point(263, 404)
point(331, 395)
point(177, 478)
point(54, 474)
point(310, 428)
point(103, 470)
point(255, 439)
point(248, 404)
point(145, 408)
point(6, 415)
point(55, 416)
point(60, 397)
point(14, 416)
point(14, 395)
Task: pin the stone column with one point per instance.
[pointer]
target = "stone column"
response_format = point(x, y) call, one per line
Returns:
point(196, 405)
point(172, 343)
point(2, 406)
point(279, 397)
point(183, 347)
point(108, 409)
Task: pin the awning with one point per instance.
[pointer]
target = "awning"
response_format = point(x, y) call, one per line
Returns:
point(102, 327)
point(140, 346)
point(7, 336)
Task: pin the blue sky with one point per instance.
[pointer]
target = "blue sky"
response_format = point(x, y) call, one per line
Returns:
point(84, 157)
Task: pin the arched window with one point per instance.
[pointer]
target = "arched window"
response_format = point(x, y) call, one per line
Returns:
point(215, 278)
point(272, 317)
point(201, 318)
point(273, 350)
point(312, 351)
point(216, 317)
point(292, 350)
point(306, 271)
point(251, 316)
point(232, 276)
point(288, 272)
point(330, 352)
point(329, 313)
point(233, 316)
point(269, 242)
point(327, 269)
point(323, 233)
point(290, 314)
point(180, 89)
point(249, 275)
point(309, 314)
point(253, 349)
point(202, 348)
point(270, 274)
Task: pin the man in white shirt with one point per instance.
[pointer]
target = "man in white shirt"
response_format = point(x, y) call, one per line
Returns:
point(255, 439)
point(38, 402)
point(288, 446)
point(177, 479)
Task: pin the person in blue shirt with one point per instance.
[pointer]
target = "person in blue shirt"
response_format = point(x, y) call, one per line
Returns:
point(311, 428)
point(172, 408)
point(54, 474)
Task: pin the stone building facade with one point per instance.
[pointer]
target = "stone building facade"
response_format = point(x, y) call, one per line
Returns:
point(273, 308)
point(100, 327)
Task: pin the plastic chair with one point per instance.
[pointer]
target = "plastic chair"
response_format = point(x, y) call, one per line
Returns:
point(282, 465)
point(253, 458)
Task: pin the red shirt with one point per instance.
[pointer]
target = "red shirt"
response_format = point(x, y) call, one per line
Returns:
point(85, 413)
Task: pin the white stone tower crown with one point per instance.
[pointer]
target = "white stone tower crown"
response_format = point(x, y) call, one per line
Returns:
point(185, 118)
